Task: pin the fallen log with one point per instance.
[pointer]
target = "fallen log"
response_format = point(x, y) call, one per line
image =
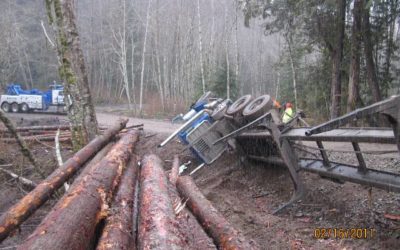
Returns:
point(82, 173)
point(157, 222)
point(174, 174)
point(62, 138)
point(118, 230)
point(43, 128)
point(48, 127)
point(192, 232)
point(224, 235)
point(74, 220)
point(18, 213)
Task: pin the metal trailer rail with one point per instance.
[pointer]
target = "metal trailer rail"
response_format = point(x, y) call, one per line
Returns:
point(270, 129)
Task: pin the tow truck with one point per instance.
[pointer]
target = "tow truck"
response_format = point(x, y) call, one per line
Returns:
point(18, 100)
point(254, 129)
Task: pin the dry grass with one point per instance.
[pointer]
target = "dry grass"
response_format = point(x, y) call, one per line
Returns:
point(153, 106)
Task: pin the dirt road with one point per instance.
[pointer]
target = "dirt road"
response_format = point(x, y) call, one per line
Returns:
point(156, 126)
point(104, 119)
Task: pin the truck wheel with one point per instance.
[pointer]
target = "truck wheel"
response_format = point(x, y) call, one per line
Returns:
point(5, 107)
point(24, 108)
point(257, 107)
point(14, 107)
point(239, 105)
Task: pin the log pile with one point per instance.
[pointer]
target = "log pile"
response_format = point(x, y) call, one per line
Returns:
point(40, 133)
point(18, 213)
point(116, 203)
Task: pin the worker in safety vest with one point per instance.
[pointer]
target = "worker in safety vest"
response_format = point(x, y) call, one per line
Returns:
point(288, 113)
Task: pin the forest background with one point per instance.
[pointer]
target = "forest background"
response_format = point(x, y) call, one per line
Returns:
point(327, 57)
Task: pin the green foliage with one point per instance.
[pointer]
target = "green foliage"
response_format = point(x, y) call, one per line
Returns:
point(309, 26)
point(217, 82)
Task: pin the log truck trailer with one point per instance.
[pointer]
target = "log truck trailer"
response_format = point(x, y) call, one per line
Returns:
point(253, 128)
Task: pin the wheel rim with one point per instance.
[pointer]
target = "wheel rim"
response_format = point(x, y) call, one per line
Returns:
point(14, 107)
point(239, 105)
point(24, 107)
point(5, 107)
point(257, 106)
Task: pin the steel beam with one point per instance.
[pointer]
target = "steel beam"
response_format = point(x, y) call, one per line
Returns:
point(364, 135)
point(379, 107)
point(373, 178)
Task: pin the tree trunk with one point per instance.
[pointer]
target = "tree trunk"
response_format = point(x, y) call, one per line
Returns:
point(356, 39)
point(289, 42)
point(225, 236)
point(144, 58)
point(337, 57)
point(236, 49)
point(228, 80)
point(157, 228)
point(372, 78)
point(119, 232)
point(203, 84)
point(73, 71)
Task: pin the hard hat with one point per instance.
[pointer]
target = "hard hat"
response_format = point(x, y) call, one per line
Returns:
point(289, 105)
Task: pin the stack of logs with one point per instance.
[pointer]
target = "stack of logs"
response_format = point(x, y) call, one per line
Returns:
point(121, 202)
point(39, 133)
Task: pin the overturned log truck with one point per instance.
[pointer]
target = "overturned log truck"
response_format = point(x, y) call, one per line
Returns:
point(254, 129)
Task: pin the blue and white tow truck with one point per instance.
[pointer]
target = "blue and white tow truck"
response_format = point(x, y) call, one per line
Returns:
point(18, 100)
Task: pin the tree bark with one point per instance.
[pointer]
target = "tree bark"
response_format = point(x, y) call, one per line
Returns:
point(228, 80)
point(337, 57)
point(356, 39)
point(72, 70)
point(144, 58)
point(72, 222)
point(157, 223)
point(289, 42)
point(224, 235)
point(203, 84)
point(118, 232)
point(372, 78)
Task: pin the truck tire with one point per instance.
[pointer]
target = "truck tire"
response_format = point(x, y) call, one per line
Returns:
point(5, 107)
point(14, 107)
point(257, 107)
point(239, 105)
point(24, 108)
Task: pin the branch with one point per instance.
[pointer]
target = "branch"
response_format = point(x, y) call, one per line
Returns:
point(24, 148)
point(58, 155)
point(21, 179)
point(47, 36)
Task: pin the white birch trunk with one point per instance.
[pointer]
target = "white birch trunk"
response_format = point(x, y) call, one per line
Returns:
point(143, 58)
point(201, 48)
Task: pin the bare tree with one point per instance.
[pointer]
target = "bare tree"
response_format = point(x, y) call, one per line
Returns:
point(203, 84)
point(144, 58)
